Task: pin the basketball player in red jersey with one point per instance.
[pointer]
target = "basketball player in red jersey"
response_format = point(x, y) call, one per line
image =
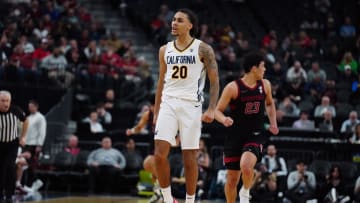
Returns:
point(248, 98)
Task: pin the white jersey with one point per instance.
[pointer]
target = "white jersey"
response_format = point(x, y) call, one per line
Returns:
point(185, 73)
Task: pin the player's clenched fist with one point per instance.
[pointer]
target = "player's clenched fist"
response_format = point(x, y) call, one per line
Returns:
point(227, 121)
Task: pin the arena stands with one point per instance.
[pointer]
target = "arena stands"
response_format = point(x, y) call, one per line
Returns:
point(71, 55)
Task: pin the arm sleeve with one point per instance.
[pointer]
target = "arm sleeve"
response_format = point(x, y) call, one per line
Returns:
point(311, 180)
point(343, 127)
point(42, 131)
point(91, 158)
point(283, 171)
point(292, 180)
point(108, 118)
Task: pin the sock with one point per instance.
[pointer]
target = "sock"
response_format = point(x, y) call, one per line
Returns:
point(18, 183)
point(166, 192)
point(190, 198)
point(244, 191)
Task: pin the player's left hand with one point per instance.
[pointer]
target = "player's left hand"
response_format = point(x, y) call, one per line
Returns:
point(208, 116)
point(274, 129)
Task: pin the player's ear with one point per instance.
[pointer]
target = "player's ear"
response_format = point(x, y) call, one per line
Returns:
point(190, 26)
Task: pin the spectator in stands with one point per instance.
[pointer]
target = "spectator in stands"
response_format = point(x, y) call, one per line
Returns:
point(276, 73)
point(288, 107)
point(111, 59)
point(5, 50)
point(92, 50)
point(276, 165)
point(334, 187)
point(304, 39)
point(25, 67)
point(41, 52)
point(355, 138)
point(12, 72)
point(72, 50)
point(348, 126)
point(316, 81)
point(72, 145)
point(324, 106)
point(296, 74)
point(295, 91)
point(144, 72)
point(326, 124)
point(95, 125)
point(71, 17)
point(313, 52)
point(105, 164)
point(268, 37)
point(56, 65)
point(301, 184)
point(41, 31)
point(166, 14)
point(104, 117)
point(114, 41)
point(64, 45)
point(347, 77)
point(330, 91)
point(27, 46)
point(83, 14)
point(203, 159)
point(265, 186)
point(357, 190)
point(129, 65)
point(303, 123)
point(52, 11)
point(134, 160)
point(347, 62)
point(347, 30)
point(110, 99)
point(274, 53)
point(127, 45)
point(36, 132)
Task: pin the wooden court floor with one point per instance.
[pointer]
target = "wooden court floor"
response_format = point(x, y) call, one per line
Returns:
point(104, 199)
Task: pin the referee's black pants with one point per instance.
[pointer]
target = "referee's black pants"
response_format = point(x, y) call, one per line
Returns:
point(8, 154)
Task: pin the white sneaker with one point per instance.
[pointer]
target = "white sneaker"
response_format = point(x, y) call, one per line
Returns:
point(37, 184)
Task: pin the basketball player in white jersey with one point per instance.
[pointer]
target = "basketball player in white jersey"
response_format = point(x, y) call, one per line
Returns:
point(184, 63)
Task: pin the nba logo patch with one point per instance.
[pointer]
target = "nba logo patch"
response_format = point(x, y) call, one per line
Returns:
point(260, 90)
point(191, 50)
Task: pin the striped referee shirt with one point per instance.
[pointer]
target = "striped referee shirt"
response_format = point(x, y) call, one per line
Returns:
point(9, 123)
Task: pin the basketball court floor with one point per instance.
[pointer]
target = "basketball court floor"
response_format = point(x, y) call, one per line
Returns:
point(63, 198)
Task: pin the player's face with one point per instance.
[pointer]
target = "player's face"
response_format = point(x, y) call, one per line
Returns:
point(180, 24)
point(260, 70)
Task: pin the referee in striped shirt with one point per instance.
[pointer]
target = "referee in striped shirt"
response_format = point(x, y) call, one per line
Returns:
point(10, 119)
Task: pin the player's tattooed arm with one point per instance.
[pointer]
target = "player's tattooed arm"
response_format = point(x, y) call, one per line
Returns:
point(207, 56)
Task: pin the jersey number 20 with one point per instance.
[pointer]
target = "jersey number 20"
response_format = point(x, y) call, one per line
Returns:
point(179, 72)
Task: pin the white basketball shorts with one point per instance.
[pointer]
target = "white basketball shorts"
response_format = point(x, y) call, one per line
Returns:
point(179, 115)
